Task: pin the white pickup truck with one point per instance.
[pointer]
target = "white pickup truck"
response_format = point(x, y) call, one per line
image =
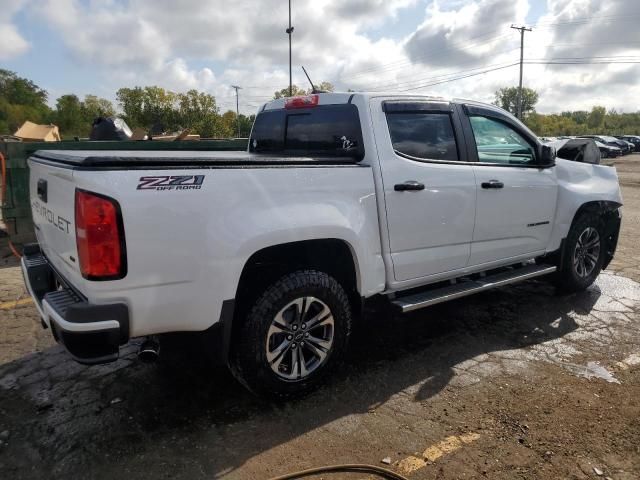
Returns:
point(272, 253)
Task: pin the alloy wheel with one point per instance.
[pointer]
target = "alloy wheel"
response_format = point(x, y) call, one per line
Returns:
point(300, 338)
point(586, 252)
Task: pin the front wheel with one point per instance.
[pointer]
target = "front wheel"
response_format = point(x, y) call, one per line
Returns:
point(583, 255)
point(295, 333)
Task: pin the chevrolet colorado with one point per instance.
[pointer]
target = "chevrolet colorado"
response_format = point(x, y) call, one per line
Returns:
point(272, 253)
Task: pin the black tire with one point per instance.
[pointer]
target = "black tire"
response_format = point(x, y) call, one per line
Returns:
point(252, 343)
point(604, 154)
point(571, 277)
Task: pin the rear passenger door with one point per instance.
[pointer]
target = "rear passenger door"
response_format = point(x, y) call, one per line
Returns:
point(516, 198)
point(429, 187)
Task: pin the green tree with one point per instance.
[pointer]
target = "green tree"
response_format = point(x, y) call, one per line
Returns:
point(198, 112)
point(325, 87)
point(595, 120)
point(507, 98)
point(149, 106)
point(68, 115)
point(296, 91)
point(74, 117)
point(93, 107)
point(20, 100)
point(131, 101)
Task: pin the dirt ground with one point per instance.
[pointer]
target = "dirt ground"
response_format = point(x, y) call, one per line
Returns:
point(517, 383)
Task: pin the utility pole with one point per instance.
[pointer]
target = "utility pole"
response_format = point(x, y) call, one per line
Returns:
point(289, 32)
point(522, 30)
point(237, 106)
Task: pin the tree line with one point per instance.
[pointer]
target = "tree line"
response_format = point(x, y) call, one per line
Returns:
point(598, 120)
point(155, 108)
point(152, 108)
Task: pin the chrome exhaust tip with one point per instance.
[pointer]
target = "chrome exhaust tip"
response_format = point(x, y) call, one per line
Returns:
point(149, 350)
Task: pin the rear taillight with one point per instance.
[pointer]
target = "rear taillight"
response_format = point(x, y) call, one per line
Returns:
point(99, 237)
point(301, 102)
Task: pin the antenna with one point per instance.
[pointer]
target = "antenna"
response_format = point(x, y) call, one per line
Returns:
point(313, 87)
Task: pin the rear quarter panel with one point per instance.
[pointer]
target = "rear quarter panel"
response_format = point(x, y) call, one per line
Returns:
point(186, 248)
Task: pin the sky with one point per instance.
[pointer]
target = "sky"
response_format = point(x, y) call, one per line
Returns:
point(579, 53)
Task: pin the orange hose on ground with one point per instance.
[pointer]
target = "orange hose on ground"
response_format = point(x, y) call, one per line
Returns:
point(13, 250)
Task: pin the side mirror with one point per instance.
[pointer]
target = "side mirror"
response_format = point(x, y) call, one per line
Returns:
point(547, 156)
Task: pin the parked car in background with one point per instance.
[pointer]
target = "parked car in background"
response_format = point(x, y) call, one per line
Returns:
point(611, 141)
point(631, 146)
point(607, 151)
point(634, 139)
point(625, 146)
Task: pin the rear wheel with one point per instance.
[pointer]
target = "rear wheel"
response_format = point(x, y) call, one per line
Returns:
point(604, 154)
point(583, 255)
point(294, 335)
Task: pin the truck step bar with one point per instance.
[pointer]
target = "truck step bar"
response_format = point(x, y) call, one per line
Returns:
point(466, 287)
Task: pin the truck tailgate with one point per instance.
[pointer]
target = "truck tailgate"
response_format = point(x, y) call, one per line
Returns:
point(52, 195)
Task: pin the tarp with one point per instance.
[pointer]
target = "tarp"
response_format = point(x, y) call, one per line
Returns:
point(32, 132)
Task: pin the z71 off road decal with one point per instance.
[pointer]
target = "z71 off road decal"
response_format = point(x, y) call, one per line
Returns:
point(173, 182)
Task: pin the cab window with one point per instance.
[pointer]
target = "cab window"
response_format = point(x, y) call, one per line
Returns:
point(498, 143)
point(422, 135)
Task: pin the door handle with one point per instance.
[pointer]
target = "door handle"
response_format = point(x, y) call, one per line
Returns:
point(492, 184)
point(408, 185)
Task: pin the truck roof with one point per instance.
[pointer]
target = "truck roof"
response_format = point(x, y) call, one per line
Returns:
point(333, 98)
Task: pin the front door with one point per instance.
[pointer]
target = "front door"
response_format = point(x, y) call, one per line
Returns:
point(516, 200)
point(429, 187)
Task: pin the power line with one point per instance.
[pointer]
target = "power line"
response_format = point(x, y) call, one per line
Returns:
point(434, 77)
point(622, 62)
point(544, 25)
point(459, 78)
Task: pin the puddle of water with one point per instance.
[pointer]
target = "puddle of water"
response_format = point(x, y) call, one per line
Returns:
point(592, 370)
point(632, 360)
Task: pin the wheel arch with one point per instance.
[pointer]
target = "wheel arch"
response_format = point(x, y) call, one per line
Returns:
point(334, 256)
point(596, 206)
point(608, 209)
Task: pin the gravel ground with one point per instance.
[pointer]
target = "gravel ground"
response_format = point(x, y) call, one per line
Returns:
point(519, 382)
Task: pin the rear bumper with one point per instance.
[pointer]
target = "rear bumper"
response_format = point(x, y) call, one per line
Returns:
point(91, 333)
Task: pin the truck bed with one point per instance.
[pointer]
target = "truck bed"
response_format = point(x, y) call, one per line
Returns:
point(128, 159)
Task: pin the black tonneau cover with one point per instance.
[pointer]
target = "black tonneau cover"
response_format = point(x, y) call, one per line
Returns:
point(122, 159)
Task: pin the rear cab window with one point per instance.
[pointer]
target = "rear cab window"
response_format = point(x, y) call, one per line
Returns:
point(323, 130)
point(422, 131)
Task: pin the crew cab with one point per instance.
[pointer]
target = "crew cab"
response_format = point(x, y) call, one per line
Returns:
point(341, 199)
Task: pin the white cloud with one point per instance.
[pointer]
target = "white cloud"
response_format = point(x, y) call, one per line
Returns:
point(12, 43)
point(210, 45)
point(453, 36)
point(597, 30)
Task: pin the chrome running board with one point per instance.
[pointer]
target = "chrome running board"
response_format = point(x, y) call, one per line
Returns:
point(469, 287)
